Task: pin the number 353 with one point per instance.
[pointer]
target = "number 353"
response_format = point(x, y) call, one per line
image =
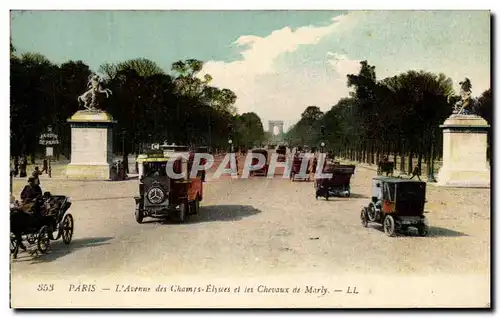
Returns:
point(45, 287)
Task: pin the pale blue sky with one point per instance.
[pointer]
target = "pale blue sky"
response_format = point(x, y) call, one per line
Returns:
point(277, 62)
point(163, 36)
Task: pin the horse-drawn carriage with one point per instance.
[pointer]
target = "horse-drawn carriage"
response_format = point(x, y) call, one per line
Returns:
point(300, 159)
point(386, 167)
point(397, 204)
point(48, 215)
point(337, 184)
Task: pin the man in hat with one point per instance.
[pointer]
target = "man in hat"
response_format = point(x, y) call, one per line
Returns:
point(30, 192)
point(45, 166)
point(22, 167)
point(36, 175)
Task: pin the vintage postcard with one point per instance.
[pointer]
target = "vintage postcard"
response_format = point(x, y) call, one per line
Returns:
point(250, 159)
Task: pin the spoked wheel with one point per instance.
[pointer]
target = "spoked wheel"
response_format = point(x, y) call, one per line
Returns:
point(13, 243)
point(364, 217)
point(389, 226)
point(43, 240)
point(67, 228)
point(139, 214)
point(371, 212)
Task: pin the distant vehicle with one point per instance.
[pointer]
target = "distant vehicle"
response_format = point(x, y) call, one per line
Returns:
point(281, 151)
point(397, 204)
point(339, 184)
point(160, 195)
point(298, 158)
point(386, 167)
point(263, 170)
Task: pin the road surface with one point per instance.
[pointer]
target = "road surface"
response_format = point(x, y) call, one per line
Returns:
point(261, 226)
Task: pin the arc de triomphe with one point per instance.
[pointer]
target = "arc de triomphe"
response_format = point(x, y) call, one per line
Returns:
point(276, 123)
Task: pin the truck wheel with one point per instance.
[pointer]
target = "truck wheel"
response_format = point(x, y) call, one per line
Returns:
point(389, 226)
point(195, 206)
point(183, 213)
point(139, 214)
point(364, 217)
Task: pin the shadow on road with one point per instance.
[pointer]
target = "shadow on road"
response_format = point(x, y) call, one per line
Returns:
point(104, 199)
point(434, 231)
point(213, 213)
point(358, 196)
point(58, 249)
point(223, 213)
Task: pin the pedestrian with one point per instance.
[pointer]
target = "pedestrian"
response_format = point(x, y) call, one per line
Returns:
point(22, 167)
point(16, 166)
point(416, 173)
point(45, 166)
point(36, 174)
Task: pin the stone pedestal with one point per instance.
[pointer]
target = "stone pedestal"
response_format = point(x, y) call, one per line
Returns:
point(464, 152)
point(91, 145)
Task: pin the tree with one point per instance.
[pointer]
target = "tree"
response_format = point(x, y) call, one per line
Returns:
point(251, 130)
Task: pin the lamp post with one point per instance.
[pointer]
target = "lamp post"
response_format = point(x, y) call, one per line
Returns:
point(123, 141)
point(230, 141)
point(322, 130)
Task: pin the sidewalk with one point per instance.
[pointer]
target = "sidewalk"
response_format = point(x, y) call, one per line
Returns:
point(396, 173)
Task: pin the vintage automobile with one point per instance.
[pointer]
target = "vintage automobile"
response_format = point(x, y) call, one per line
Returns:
point(397, 204)
point(339, 184)
point(163, 196)
point(263, 170)
point(203, 161)
point(298, 158)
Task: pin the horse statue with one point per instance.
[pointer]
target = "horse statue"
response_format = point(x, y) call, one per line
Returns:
point(89, 98)
point(462, 106)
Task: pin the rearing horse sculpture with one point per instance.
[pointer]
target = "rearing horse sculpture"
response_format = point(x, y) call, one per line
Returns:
point(89, 98)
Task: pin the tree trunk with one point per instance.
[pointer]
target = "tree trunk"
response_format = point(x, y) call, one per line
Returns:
point(402, 157)
point(410, 162)
point(419, 161)
point(372, 159)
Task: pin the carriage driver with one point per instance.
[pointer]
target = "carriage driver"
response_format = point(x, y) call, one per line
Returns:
point(30, 192)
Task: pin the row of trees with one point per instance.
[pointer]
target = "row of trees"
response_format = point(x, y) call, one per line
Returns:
point(149, 104)
point(398, 116)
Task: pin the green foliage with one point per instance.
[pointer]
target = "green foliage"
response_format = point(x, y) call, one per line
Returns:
point(399, 114)
point(149, 104)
